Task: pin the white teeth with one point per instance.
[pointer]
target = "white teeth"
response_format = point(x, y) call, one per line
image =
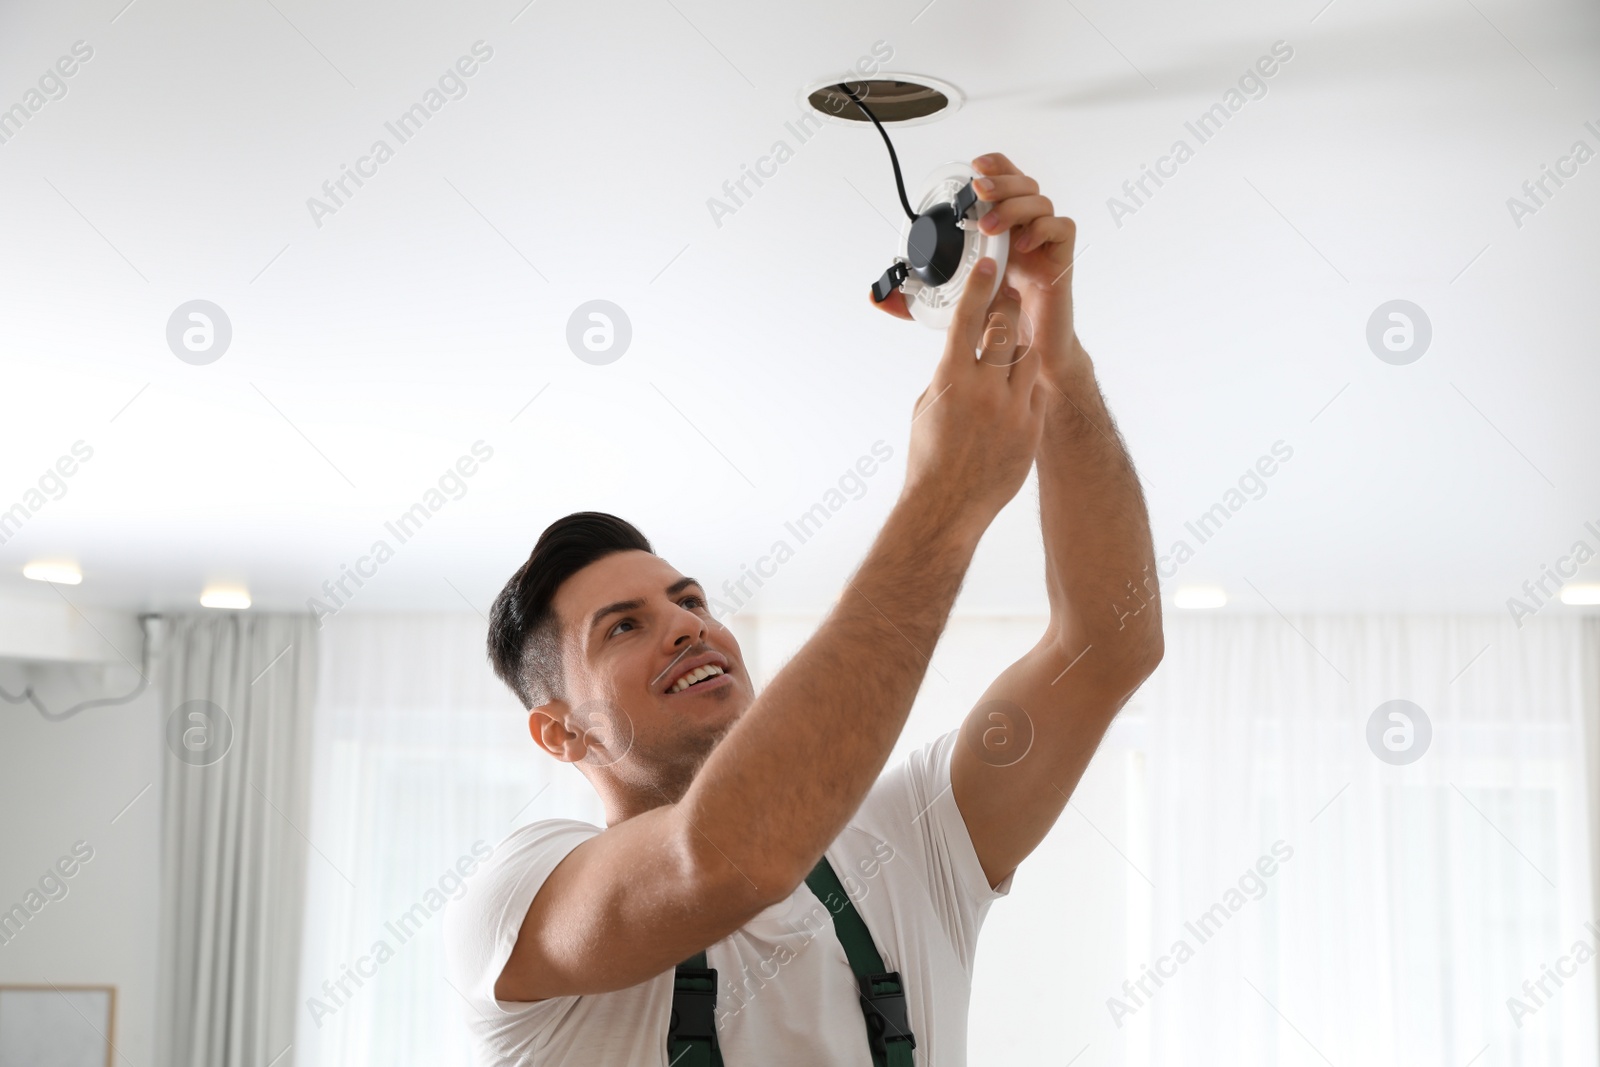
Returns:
point(708, 671)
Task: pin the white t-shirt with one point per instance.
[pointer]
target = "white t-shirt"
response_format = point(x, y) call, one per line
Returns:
point(785, 991)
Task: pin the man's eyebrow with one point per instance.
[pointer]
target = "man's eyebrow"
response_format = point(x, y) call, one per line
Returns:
point(622, 606)
point(614, 609)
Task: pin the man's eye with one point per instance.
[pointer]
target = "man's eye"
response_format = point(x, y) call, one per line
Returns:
point(692, 601)
point(618, 627)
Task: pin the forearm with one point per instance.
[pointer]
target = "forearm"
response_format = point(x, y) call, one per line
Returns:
point(792, 771)
point(1099, 558)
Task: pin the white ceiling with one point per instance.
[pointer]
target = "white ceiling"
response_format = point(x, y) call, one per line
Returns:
point(369, 353)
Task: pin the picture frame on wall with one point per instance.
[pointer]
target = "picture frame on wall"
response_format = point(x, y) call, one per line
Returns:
point(57, 1025)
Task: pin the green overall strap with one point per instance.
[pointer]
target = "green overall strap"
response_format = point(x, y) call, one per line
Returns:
point(692, 1034)
point(882, 994)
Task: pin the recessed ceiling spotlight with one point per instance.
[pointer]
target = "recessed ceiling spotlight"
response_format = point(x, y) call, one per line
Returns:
point(234, 597)
point(1195, 597)
point(901, 99)
point(1582, 594)
point(59, 573)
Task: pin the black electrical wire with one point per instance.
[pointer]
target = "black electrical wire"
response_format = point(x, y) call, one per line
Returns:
point(899, 182)
point(29, 697)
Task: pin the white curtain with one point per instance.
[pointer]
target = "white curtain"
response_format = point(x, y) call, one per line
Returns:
point(421, 754)
point(237, 696)
point(1418, 898)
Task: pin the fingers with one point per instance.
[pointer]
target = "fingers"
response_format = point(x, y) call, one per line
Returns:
point(894, 305)
point(967, 322)
point(1003, 186)
point(995, 164)
point(1044, 231)
point(1018, 206)
point(1015, 211)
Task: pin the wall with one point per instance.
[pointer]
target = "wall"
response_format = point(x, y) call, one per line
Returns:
point(71, 781)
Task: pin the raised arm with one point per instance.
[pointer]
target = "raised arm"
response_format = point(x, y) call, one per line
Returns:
point(649, 892)
point(1026, 744)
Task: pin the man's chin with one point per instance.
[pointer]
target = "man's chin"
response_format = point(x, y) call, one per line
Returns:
point(718, 728)
point(700, 723)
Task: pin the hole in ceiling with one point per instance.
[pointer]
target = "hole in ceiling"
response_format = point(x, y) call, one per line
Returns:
point(906, 99)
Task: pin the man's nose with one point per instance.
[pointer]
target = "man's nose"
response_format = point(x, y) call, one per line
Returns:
point(690, 631)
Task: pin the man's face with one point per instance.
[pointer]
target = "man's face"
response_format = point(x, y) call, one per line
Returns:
point(633, 630)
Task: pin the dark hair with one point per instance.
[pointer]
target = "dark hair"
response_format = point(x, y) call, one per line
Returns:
point(524, 632)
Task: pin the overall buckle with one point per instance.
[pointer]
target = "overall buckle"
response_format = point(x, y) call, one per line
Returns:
point(694, 1005)
point(883, 1002)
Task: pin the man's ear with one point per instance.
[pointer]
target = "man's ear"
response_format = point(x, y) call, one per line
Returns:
point(547, 724)
point(894, 305)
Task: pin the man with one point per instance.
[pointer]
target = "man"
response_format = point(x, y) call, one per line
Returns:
point(719, 804)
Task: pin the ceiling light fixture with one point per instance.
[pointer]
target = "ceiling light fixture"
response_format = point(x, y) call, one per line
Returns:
point(59, 573)
point(233, 597)
point(1581, 594)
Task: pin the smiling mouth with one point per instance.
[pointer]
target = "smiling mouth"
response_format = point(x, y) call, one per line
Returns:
point(695, 677)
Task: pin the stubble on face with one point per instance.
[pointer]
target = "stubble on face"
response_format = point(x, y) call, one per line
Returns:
point(668, 761)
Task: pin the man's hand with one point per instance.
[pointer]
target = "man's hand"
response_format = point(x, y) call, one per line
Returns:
point(976, 427)
point(1038, 267)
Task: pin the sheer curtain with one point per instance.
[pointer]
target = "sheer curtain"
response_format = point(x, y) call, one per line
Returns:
point(1416, 899)
point(420, 755)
